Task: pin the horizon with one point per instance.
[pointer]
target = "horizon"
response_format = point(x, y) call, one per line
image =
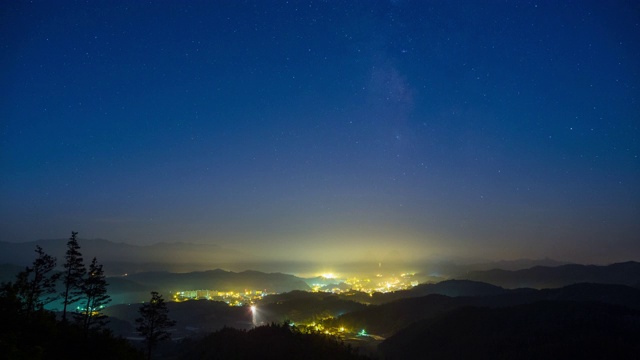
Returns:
point(165, 261)
point(386, 257)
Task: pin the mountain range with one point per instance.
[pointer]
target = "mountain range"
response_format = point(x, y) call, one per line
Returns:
point(387, 318)
point(568, 310)
point(626, 273)
point(121, 258)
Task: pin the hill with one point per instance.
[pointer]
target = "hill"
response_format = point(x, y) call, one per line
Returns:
point(221, 280)
point(266, 342)
point(541, 330)
point(135, 288)
point(452, 288)
point(626, 273)
point(193, 317)
point(386, 319)
point(300, 306)
point(455, 269)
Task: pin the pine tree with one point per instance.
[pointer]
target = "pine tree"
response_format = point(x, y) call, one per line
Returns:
point(74, 272)
point(94, 298)
point(36, 285)
point(154, 321)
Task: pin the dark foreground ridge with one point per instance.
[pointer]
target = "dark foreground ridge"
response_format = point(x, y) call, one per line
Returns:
point(543, 330)
point(275, 341)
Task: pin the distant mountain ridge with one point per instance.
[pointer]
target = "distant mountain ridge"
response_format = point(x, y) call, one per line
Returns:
point(125, 258)
point(518, 264)
point(220, 280)
point(136, 287)
point(625, 273)
point(453, 269)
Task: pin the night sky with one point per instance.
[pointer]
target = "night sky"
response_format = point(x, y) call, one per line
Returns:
point(328, 129)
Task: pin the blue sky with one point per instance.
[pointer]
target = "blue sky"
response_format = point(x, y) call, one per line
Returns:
point(343, 129)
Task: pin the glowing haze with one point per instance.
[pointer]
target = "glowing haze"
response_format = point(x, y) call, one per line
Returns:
point(326, 131)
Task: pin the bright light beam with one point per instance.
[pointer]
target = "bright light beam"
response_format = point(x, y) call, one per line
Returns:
point(253, 315)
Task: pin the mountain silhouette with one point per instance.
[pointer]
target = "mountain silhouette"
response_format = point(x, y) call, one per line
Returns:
point(541, 330)
point(626, 273)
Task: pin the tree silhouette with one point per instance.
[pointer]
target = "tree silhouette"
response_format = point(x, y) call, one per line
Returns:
point(154, 321)
point(35, 285)
point(29, 331)
point(94, 298)
point(72, 278)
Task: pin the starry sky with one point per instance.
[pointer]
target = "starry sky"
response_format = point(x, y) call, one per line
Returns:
point(315, 130)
